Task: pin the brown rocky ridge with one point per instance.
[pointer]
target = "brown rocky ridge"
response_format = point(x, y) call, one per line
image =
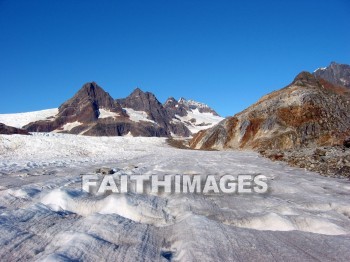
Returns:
point(9, 130)
point(309, 113)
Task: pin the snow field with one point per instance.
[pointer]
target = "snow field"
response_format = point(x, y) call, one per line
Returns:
point(45, 216)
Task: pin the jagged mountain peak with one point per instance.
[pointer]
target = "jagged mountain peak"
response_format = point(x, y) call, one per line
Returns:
point(93, 91)
point(92, 111)
point(91, 97)
point(139, 94)
point(137, 91)
point(335, 73)
point(194, 105)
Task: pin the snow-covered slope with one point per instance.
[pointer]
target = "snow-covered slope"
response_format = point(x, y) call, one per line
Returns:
point(44, 215)
point(137, 116)
point(196, 121)
point(21, 119)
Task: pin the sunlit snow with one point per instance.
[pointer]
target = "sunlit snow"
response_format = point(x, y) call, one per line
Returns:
point(44, 214)
point(21, 119)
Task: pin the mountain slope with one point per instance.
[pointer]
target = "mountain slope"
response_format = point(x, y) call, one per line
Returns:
point(92, 111)
point(194, 115)
point(307, 112)
point(147, 102)
point(21, 119)
point(338, 74)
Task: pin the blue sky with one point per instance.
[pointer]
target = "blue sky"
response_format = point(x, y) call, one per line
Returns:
point(224, 53)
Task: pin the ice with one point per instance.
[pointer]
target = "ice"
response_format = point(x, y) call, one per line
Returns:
point(45, 216)
point(203, 120)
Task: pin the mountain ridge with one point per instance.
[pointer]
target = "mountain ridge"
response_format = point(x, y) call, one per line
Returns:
point(308, 111)
point(92, 111)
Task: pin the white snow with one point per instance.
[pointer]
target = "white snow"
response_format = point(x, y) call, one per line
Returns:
point(44, 214)
point(321, 68)
point(70, 126)
point(107, 113)
point(203, 120)
point(192, 103)
point(21, 119)
point(137, 116)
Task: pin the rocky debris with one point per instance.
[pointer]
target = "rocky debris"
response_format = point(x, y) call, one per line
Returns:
point(328, 161)
point(178, 143)
point(346, 142)
point(320, 152)
point(308, 113)
point(337, 74)
point(9, 130)
point(105, 171)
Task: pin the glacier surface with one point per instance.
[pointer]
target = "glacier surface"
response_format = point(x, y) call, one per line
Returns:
point(45, 216)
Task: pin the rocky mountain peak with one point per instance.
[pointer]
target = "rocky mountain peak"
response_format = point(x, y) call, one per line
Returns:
point(85, 104)
point(92, 111)
point(304, 78)
point(92, 92)
point(137, 92)
point(84, 108)
point(170, 102)
point(194, 105)
point(140, 101)
point(335, 73)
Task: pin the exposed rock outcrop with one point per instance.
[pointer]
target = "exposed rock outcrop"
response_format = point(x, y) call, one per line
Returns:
point(308, 112)
point(92, 111)
point(9, 130)
point(83, 108)
point(337, 74)
point(183, 106)
point(147, 102)
point(190, 114)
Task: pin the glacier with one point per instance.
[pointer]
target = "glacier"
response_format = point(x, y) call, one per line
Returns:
point(45, 215)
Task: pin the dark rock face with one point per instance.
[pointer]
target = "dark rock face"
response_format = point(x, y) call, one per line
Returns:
point(337, 74)
point(147, 102)
point(173, 108)
point(182, 106)
point(82, 107)
point(347, 142)
point(309, 112)
point(121, 128)
point(9, 130)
